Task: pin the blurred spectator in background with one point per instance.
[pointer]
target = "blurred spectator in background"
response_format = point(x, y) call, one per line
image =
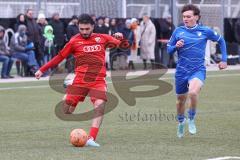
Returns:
point(42, 22)
point(166, 30)
point(72, 30)
point(100, 26)
point(94, 18)
point(33, 34)
point(107, 56)
point(107, 22)
point(48, 43)
point(5, 56)
point(147, 40)
point(237, 35)
point(49, 48)
point(23, 50)
point(113, 28)
point(58, 31)
point(125, 52)
point(20, 20)
point(167, 27)
point(136, 38)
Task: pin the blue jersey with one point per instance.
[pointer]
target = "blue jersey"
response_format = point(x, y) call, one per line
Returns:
point(191, 56)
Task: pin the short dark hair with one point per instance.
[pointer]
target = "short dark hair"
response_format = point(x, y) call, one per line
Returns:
point(101, 17)
point(85, 19)
point(191, 7)
point(74, 17)
point(29, 9)
point(2, 29)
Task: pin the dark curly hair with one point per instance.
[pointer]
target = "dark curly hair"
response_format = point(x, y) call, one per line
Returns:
point(85, 19)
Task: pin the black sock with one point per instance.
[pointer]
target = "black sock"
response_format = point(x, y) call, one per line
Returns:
point(145, 63)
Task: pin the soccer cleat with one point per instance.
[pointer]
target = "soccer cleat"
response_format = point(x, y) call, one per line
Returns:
point(90, 142)
point(180, 130)
point(191, 126)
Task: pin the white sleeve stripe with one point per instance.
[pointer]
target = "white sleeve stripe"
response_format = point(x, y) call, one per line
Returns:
point(219, 38)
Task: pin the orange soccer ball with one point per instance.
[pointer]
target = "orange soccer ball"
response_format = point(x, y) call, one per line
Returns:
point(78, 137)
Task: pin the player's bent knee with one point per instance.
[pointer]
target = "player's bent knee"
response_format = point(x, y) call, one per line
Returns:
point(181, 99)
point(64, 97)
point(99, 102)
point(99, 106)
point(68, 106)
point(193, 94)
point(180, 102)
point(67, 109)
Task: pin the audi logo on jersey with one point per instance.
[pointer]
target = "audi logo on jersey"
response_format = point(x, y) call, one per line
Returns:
point(93, 48)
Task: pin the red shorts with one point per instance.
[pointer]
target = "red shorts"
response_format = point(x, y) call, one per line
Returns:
point(79, 90)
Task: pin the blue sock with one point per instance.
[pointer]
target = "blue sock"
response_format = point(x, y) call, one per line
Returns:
point(180, 118)
point(191, 113)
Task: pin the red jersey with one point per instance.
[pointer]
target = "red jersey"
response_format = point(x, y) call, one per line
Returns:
point(89, 55)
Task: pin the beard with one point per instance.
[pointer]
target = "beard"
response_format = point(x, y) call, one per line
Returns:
point(86, 36)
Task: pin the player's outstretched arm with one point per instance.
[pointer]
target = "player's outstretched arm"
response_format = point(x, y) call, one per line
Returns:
point(173, 44)
point(113, 41)
point(38, 74)
point(223, 63)
point(66, 51)
point(214, 36)
point(52, 63)
point(118, 35)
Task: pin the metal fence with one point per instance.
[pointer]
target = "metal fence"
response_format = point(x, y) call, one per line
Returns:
point(213, 11)
point(66, 8)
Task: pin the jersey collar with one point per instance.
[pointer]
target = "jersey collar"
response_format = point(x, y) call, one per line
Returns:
point(191, 28)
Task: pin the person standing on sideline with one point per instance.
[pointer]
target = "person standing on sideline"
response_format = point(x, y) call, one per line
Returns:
point(33, 34)
point(147, 41)
point(58, 31)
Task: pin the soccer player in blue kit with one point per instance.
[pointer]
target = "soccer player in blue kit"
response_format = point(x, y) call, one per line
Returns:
point(190, 41)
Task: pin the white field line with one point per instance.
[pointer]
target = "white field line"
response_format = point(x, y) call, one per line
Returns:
point(224, 158)
point(164, 78)
point(135, 73)
point(24, 87)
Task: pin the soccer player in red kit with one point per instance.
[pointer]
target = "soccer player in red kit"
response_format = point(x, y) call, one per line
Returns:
point(88, 50)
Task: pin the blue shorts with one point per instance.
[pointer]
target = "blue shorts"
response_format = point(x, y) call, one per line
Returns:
point(182, 81)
